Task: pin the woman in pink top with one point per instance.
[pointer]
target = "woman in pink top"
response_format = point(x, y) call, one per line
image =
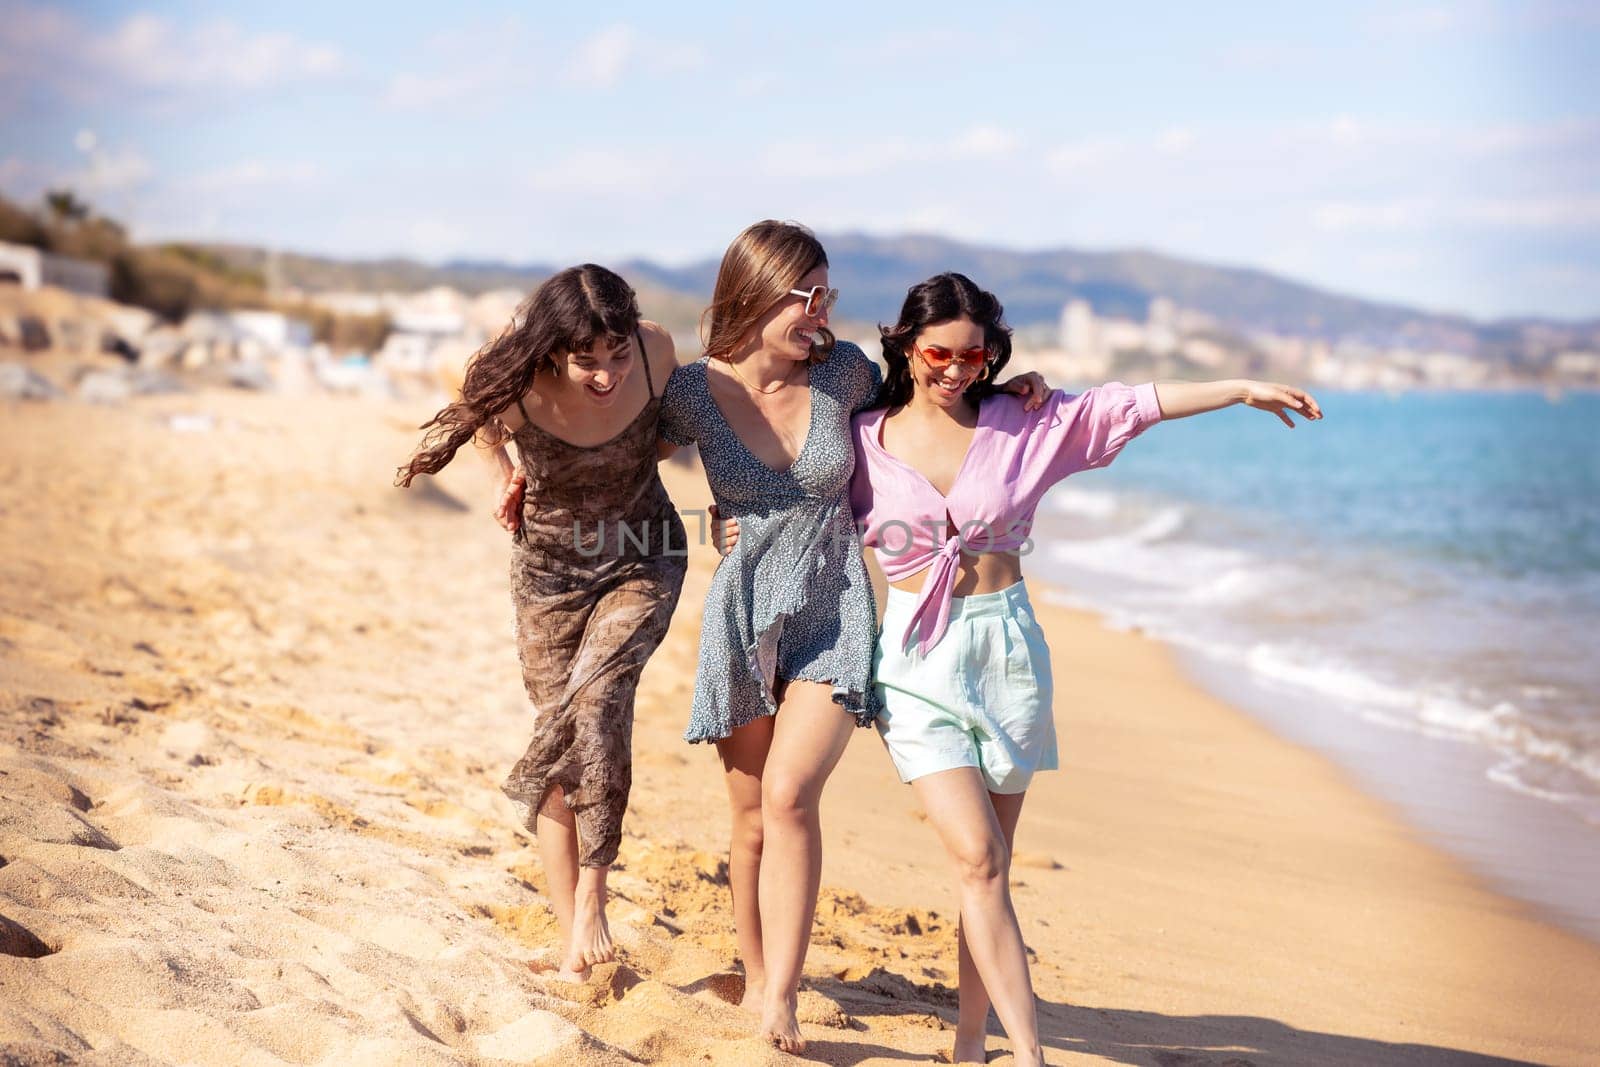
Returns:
point(948, 475)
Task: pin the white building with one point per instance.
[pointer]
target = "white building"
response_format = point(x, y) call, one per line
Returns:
point(32, 268)
point(1161, 326)
point(273, 329)
point(1078, 335)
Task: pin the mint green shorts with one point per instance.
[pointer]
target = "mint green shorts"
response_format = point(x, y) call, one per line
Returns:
point(980, 698)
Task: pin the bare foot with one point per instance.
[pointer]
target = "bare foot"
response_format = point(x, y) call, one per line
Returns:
point(970, 1049)
point(565, 973)
point(591, 937)
point(780, 1028)
point(755, 993)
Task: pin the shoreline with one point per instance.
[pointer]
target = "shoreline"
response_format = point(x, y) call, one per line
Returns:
point(257, 705)
point(1226, 821)
point(1523, 845)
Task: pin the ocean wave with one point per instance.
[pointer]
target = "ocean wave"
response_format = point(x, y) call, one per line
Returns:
point(1438, 711)
point(1084, 503)
point(1412, 645)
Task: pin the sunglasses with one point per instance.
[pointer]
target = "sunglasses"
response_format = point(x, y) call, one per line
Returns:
point(939, 358)
point(819, 299)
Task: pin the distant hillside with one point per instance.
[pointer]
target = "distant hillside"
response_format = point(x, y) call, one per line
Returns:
point(873, 273)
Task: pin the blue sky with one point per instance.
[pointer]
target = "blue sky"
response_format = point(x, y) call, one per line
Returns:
point(1446, 155)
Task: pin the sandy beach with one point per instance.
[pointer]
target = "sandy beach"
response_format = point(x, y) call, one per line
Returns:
point(256, 704)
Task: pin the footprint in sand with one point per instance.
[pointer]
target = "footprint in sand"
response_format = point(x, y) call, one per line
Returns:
point(18, 940)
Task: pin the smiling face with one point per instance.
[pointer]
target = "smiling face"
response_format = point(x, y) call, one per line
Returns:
point(944, 386)
point(599, 373)
point(786, 329)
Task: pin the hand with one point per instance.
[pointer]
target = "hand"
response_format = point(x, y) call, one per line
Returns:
point(1030, 386)
point(724, 532)
point(1280, 400)
point(509, 511)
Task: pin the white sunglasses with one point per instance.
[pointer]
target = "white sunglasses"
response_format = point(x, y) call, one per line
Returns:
point(819, 299)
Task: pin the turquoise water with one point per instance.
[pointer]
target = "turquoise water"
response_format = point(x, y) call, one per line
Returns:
point(1509, 483)
point(1421, 569)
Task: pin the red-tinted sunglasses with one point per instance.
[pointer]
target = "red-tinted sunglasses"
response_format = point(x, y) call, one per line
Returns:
point(939, 358)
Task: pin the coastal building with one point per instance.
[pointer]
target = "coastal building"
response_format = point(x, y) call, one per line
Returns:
point(1077, 329)
point(1161, 326)
point(33, 268)
point(272, 329)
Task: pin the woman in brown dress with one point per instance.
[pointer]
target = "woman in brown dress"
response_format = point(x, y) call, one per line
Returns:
point(597, 562)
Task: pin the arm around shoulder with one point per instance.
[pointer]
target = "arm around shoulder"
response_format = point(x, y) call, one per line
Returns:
point(677, 424)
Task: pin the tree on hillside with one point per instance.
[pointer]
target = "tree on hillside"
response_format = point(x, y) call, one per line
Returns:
point(21, 227)
point(65, 207)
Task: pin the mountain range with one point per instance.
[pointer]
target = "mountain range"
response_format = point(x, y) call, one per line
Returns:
point(872, 274)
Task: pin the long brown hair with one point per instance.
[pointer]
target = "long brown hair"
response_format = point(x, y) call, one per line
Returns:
point(759, 268)
point(568, 313)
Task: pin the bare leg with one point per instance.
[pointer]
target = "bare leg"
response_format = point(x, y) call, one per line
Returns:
point(591, 936)
point(972, 1023)
point(557, 834)
point(807, 740)
point(744, 753)
point(960, 809)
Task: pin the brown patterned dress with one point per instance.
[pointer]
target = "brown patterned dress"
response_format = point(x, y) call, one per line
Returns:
point(595, 573)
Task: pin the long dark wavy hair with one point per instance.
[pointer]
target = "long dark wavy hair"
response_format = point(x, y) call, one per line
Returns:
point(570, 312)
point(942, 298)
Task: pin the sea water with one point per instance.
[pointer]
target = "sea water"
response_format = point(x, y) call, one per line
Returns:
point(1411, 584)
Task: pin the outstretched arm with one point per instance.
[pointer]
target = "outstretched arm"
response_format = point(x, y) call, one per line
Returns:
point(1179, 400)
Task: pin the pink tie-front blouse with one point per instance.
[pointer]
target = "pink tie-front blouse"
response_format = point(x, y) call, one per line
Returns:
point(1014, 457)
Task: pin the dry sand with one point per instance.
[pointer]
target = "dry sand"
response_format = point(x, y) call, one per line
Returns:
point(255, 705)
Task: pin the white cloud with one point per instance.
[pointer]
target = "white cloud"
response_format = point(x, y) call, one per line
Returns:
point(609, 172)
point(106, 171)
point(1385, 215)
point(1266, 56)
point(57, 52)
point(468, 65)
point(1085, 154)
point(983, 141)
point(254, 174)
point(1425, 20)
point(606, 56)
point(881, 156)
point(1470, 16)
point(116, 170)
point(761, 83)
point(932, 43)
point(149, 50)
point(1539, 213)
point(1511, 138)
point(432, 90)
point(1514, 213)
point(1176, 140)
point(434, 238)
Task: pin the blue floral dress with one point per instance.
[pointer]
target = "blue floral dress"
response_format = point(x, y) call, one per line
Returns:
point(793, 600)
